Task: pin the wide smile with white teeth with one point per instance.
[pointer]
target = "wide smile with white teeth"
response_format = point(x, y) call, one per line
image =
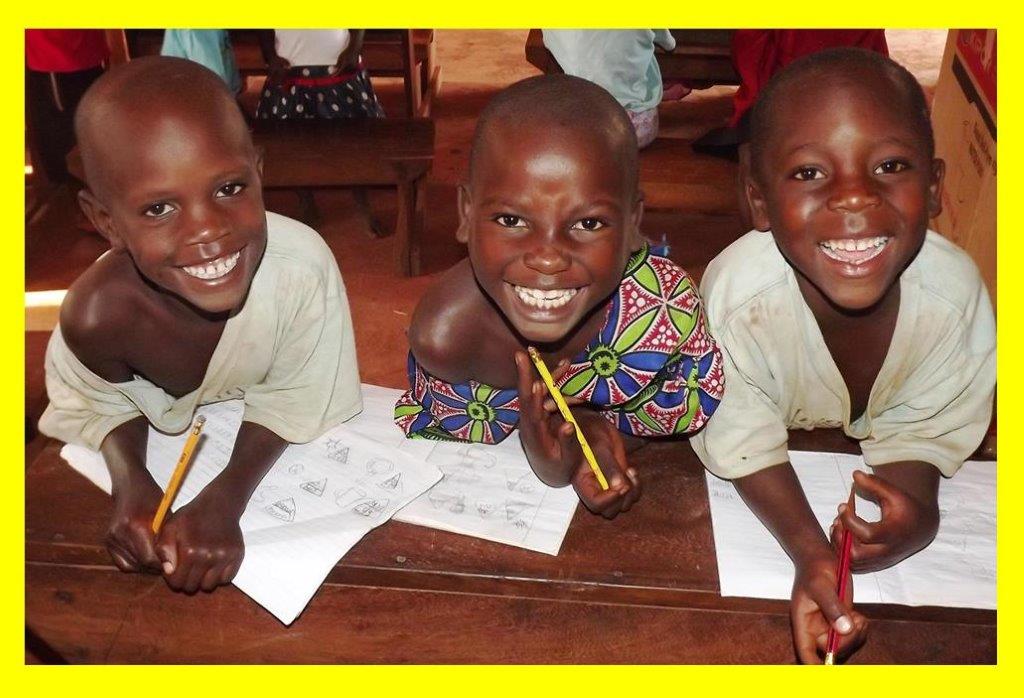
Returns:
point(855, 252)
point(546, 300)
point(215, 268)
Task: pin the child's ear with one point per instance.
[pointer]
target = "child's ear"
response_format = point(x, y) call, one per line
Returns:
point(465, 207)
point(100, 218)
point(636, 240)
point(756, 203)
point(935, 187)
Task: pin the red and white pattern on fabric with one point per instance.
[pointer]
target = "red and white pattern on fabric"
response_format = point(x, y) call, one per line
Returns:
point(699, 342)
point(635, 301)
point(713, 382)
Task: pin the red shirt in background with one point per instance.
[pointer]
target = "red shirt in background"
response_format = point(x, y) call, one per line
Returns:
point(758, 54)
point(65, 50)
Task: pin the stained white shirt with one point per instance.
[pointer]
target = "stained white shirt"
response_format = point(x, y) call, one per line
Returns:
point(931, 400)
point(289, 353)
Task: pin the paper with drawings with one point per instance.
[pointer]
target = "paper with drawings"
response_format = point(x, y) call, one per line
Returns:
point(957, 569)
point(316, 502)
point(491, 492)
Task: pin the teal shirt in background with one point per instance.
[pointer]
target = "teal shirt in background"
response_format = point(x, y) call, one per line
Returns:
point(208, 47)
point(619, 60)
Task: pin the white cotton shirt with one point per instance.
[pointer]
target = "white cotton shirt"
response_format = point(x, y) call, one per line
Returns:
point(289, 353)
point(931, 401)
point(311, 46)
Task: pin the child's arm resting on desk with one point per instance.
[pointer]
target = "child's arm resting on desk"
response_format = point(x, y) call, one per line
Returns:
point(129, 538)
point(939, 415)
point(555, 454)
point(201, 543)
point(312, 385)
point(775, 496)
point(908, 494)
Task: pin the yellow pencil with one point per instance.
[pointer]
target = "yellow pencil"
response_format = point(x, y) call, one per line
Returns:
point(178, 474)
point(556, 395)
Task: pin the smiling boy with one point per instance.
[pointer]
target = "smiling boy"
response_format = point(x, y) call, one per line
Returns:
point(551, 215)
point(203, 297)
point(851, 314)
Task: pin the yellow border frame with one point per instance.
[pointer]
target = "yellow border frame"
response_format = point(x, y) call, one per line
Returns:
point(502, 680)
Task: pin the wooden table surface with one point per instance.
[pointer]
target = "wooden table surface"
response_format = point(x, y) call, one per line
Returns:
point(640, 589)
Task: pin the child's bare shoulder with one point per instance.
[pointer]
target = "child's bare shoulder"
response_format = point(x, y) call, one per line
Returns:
point(448, 324)
point(100, 313)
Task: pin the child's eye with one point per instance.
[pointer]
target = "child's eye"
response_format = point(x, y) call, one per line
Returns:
point(588, 224)
point(231, 189)
point(892, 167)
point(507, 220)
point(805, 174)
point(157, 210)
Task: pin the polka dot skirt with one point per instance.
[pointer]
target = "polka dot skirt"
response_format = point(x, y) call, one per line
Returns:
point(319, 92)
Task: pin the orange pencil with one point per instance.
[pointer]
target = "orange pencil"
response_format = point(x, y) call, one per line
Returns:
point(178, 474)
point(842, 572)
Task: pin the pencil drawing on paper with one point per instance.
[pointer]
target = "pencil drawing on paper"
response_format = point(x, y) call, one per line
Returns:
point(453, 502)
point(316, 487)
point(337, 451)
point(379, 466)
point(392, 483)
point(514, 509)
point(346, 498)
point(283, 509)
point(476, 455)
point(370, 507)
point(518, 481)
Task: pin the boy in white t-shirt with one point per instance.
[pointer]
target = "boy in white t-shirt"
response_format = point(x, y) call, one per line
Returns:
point(850, 314)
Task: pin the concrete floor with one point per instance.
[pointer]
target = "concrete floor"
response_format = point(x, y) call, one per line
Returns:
point(691, 199)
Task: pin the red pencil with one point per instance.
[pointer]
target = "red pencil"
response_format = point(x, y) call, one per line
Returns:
point(842, 572)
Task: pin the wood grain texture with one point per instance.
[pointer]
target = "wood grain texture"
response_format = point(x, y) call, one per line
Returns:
point(647, 582)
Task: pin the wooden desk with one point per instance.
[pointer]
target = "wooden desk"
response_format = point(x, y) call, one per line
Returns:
point(640, 589)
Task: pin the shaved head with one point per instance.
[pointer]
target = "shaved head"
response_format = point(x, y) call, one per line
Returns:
point(124, 105)
point(559, 102)
point(825, 70)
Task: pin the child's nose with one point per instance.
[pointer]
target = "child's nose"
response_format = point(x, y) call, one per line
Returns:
point(547, 259)
point(853, 194)
point(207, 225)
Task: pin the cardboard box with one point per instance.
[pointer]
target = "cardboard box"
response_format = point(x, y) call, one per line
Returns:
point(964, 120)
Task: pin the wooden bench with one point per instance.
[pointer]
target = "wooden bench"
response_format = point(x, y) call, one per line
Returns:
point(355, 153)
point(702, 57)
point(388, 53)
point(640, 589)
point(348, 153)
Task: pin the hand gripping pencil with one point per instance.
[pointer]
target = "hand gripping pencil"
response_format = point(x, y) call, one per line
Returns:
point(842, 572)
point(556, 395)
point(178, 474)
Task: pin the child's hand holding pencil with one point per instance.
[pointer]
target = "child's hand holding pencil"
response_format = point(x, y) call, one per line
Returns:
point(816, 608)
point(558, 455)
point(822, 614)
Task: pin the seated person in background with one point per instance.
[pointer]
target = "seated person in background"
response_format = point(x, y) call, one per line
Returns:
point(208, 47)
point(203, 297)
point(846, 311)
point(621, 61)
point(315, 74)
point(551, 214)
